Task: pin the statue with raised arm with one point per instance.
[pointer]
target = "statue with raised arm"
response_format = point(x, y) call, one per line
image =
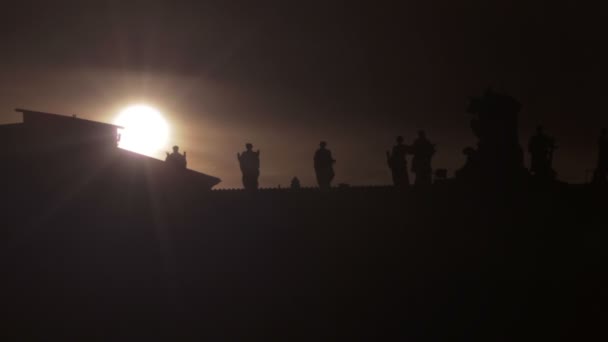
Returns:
point(324, 166)
point(249, 162)
point(397, 162)
point(423, 151)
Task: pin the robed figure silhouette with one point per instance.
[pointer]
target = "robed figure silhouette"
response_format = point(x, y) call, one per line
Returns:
point(423, 151)
point(470, 171)
point(601, 171)
point(397, 162)
point(176, 159)
point(541, 149)
point(249, 162)
point(324, 166)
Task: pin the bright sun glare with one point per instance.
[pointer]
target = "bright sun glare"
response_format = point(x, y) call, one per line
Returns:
point(144, 129)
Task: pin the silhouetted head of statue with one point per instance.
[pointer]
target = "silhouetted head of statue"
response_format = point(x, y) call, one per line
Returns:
point(421, 134)
point(248, 146)
point(399, 139)
point(323, 144)
point(175, 148)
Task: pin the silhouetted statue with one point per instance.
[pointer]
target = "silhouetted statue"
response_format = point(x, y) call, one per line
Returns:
point(324, 166)
point(423, 151)
point(601, 171)
point(498, 156)
point(397, 162)
point(250, 167)
point(176, 159)
point(295, 183)
point(541, 149)
point(469, 172)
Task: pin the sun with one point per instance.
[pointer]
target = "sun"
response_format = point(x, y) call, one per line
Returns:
point(144, 130)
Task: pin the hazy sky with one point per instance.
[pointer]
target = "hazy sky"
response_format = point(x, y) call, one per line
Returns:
point(285, 75)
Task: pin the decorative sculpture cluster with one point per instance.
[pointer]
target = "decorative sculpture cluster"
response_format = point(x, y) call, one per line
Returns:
point(497, 159)
point(422, 150)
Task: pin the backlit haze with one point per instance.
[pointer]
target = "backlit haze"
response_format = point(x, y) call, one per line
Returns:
point(143, 129)
point(285, 76)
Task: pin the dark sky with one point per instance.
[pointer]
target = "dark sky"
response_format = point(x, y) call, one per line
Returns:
point(286, 75)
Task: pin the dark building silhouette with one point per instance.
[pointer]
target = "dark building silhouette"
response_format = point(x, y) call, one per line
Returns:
point(93, 239)
point(541, 148)
point(397, 162)
point(49, 151)
point(423, 151)
point(498, 158)
point(324, 166)
point(249, 161)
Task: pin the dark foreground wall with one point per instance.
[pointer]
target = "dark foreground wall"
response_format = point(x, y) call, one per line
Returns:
point(120, 261)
